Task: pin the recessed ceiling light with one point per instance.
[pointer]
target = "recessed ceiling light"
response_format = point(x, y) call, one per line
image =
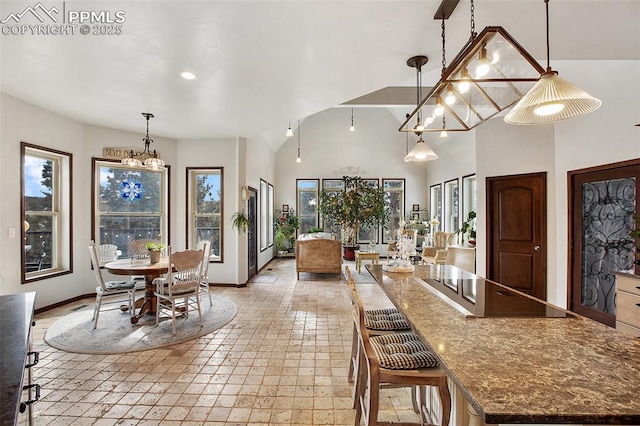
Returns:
point(188, 75)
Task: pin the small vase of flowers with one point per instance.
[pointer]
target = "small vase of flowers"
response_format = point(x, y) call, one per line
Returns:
point(155, 250)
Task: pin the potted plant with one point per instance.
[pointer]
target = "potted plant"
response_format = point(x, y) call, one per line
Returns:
point(240, 221)
point(357, 204)
point(468, 227)
point(285, 226)
point(282, 243)
point(155, 249)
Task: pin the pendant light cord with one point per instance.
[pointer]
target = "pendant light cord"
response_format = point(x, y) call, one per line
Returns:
point(419, 91)
point(473, 22)
point(444, 61)
point(298, 138)
point(546, 2)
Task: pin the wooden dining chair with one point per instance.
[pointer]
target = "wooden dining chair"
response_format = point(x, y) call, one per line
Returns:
point(107, 253)
point(180, 290)
point(204, 279)
point(110, 288)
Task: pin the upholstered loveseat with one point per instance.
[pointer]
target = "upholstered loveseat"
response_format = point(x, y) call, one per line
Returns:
point(318, 255)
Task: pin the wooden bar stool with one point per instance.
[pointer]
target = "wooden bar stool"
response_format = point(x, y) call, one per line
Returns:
point(395, 360)
point(377, 321)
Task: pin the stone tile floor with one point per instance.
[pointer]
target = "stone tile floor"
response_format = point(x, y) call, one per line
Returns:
point(283, 360)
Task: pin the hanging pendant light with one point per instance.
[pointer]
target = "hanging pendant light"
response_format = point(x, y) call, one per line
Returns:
point(152, 160)
point(299, 159)
point(551, 98)
point(289, 131)
point(421, 152)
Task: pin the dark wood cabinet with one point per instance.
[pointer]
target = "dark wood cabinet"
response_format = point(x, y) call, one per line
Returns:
point(17, 392)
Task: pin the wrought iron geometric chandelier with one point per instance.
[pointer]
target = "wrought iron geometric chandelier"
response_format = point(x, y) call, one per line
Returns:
point(491, 73)
point(151, 160)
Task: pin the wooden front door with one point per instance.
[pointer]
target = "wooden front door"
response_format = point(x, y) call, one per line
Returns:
point(517, 232)
point(252, 243)
point(602, 206)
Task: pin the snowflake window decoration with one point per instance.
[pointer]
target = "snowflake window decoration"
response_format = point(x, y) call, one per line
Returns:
point(131, 190)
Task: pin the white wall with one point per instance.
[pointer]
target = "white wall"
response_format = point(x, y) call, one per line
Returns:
point(502, 150)
point(376, 147)
point(24, 122)
point(260, 164)
point(605, 136)
point(493, 149)
point(456, 158)
point(21, 121)
point(224, 153)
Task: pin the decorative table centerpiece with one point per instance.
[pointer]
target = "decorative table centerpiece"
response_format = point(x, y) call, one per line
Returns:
point(155, 249)
point(401, 258)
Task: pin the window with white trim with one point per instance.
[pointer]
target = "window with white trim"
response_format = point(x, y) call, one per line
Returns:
point(307, 199)
point(204, 209)
point(264, 206)
point(270, 216)
point(129, 204)
point(394, 203)
point(468, 195)
point(436, 207)
point(46, 212)
point(332, 185)
point(451, 210)
point(369, 234)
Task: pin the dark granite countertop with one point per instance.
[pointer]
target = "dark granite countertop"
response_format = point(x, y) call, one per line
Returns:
point(16, 314)
point(520, 365)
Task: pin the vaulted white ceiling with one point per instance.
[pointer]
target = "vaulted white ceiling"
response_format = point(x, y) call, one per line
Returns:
point(263, 64)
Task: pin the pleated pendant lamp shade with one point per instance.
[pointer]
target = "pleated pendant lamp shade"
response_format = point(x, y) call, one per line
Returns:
point(421, 152)
point(551, 99)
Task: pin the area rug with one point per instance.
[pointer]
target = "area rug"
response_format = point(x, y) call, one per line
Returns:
point(115, 333)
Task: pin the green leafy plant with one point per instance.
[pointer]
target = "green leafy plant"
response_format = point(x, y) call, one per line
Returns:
point(283, 242)
point(151, 246)
point(285, 226)
point(315, 230)
point(467, 227)
point(240, 221)
point(358, 204)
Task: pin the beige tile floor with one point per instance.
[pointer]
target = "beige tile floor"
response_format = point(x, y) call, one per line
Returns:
point(282, 360)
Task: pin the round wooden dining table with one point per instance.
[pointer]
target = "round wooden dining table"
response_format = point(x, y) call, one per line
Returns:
point(150, 271)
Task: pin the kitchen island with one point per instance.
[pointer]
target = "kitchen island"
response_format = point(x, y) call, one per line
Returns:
point(514, 358)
